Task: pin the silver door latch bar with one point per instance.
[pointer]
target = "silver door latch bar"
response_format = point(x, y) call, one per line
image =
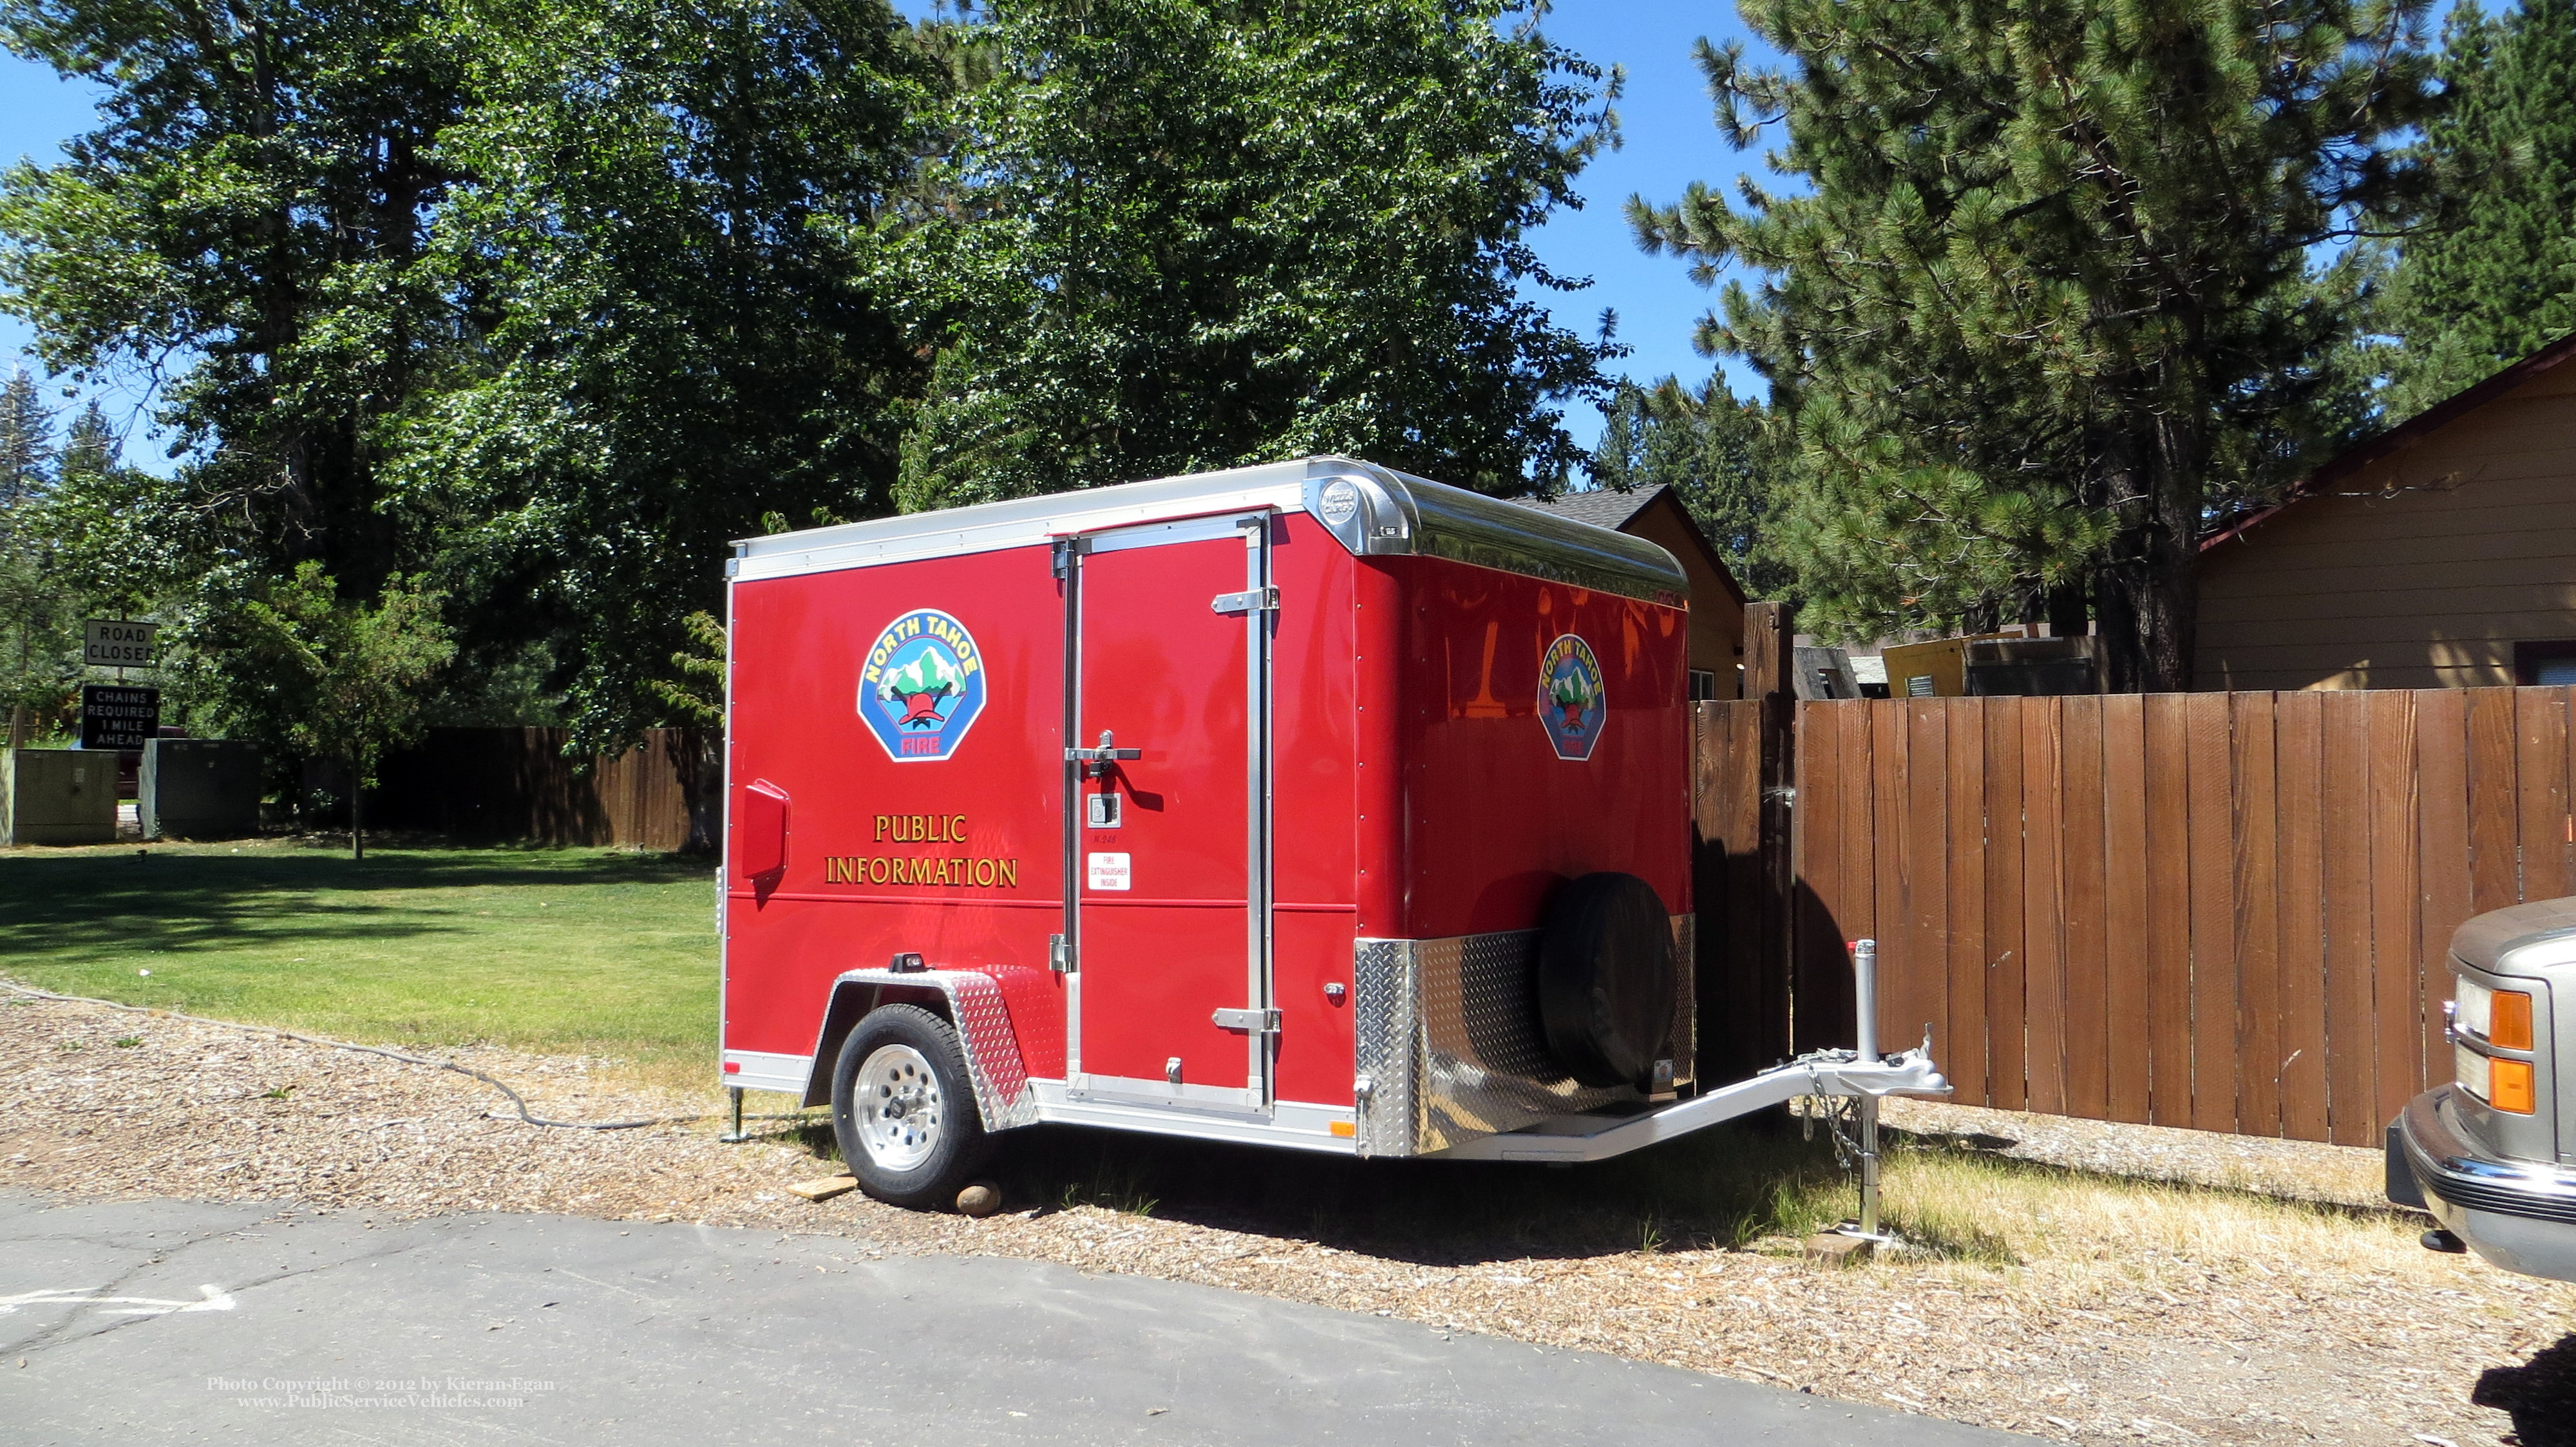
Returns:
point(1259, 1022)
point(1258, 600)
point(1107, 751)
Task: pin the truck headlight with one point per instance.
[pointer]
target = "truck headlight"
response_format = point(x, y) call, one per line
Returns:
point(2501, 1018)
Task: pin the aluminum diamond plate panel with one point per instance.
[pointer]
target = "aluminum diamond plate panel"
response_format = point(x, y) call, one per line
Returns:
point(1450, 1047)
point(1485, 1066)
point(1002, 1093)
point(1383, 1019)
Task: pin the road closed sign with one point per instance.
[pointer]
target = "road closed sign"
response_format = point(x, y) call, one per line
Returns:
point(117, 643)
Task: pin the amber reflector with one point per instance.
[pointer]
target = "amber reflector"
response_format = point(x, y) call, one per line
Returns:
point(2509, 1021)
point(2511, 1082)
point(1344, 1129)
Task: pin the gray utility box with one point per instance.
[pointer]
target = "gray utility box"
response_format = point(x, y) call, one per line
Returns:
point(2032, 667)
point(199, 788)
point(57, 796)
point(1824, 673)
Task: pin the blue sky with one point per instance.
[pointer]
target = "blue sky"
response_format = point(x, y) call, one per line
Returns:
point(1670, 141)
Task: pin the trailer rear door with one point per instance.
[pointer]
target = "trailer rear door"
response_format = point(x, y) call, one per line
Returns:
point(1170, 631)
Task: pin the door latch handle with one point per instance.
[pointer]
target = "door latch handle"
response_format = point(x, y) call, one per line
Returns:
point(1257, 600)
point(1259, 1022)
point(1107, 751)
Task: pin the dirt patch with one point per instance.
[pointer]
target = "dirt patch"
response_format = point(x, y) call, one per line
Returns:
point(2067, 1304)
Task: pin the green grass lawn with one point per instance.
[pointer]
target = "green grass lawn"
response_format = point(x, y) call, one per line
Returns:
point(559, 950)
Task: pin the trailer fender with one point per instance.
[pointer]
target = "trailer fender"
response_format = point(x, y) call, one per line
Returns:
point(969, 1000)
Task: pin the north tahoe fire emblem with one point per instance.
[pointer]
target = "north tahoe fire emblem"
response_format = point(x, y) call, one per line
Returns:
point(922, 686)
point(1571, 701)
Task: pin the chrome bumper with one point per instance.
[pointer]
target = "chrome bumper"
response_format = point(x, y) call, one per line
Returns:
point(2520, 1215)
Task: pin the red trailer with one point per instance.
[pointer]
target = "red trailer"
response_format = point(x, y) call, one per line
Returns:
point(1311, 805)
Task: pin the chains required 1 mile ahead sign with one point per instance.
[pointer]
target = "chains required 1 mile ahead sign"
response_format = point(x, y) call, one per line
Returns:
point(116, 643)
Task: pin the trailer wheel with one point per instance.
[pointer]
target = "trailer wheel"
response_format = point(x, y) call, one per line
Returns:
point(1605, 979)
point(904, 1109)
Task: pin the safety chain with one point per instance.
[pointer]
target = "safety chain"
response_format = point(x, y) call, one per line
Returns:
point(1841, 1115)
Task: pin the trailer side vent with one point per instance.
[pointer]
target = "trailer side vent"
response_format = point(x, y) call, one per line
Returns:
point(760, 844)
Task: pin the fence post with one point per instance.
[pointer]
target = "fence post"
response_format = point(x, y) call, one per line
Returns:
point(1770, 629)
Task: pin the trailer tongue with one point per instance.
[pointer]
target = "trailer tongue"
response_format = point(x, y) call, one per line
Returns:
point(1309, 805)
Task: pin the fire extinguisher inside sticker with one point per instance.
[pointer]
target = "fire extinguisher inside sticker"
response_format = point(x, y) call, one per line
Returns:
point(1109, 871)
point(1572, 702)
point(922, 686)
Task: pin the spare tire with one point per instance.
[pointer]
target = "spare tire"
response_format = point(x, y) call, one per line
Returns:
point(1605, 979)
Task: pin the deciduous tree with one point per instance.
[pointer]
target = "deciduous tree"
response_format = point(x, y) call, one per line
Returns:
point(1202, 233)
point(344, 680)
point(245, 229)
point(664, 254)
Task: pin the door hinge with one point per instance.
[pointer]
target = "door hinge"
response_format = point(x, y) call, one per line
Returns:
point(1060, 954)
point(1257, 600)
point(1066, 550)
point(1259, 1022)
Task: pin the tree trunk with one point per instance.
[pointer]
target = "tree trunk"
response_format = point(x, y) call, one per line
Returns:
point(699, 760)
point(2148, 594)
point(2169, 606)
point(357, 806)
point(2069, 609)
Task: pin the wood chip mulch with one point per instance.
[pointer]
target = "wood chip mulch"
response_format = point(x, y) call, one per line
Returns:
point(2256, 1340)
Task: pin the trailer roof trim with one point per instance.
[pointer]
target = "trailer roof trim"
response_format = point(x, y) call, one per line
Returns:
point(1374, 511)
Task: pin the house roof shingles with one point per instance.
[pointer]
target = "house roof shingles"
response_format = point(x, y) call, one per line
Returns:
point(1602, 507)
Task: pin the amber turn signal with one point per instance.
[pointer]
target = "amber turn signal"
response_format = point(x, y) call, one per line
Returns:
point(2509, 1021)
point(2511, 1082)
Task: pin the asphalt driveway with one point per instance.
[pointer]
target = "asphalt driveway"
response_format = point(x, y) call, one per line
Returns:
point(166, 1321)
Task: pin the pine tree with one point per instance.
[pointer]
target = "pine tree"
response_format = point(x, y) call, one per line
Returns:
point(1719, 454)
point(33, 609)
point(2497, 280)
point(2047, 282)
point(26, 429)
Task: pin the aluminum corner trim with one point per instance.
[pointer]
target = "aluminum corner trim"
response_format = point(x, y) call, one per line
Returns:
point(1388, 1040)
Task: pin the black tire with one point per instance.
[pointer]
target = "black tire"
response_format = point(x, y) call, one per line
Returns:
point(1605, 979)
point(912, 1135)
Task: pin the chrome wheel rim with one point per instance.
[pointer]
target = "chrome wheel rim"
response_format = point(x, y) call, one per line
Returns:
point(900, 1108)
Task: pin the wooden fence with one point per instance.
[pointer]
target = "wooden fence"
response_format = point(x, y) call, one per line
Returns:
point(1742, 939)
point(517, 784)
point(2220, 910)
